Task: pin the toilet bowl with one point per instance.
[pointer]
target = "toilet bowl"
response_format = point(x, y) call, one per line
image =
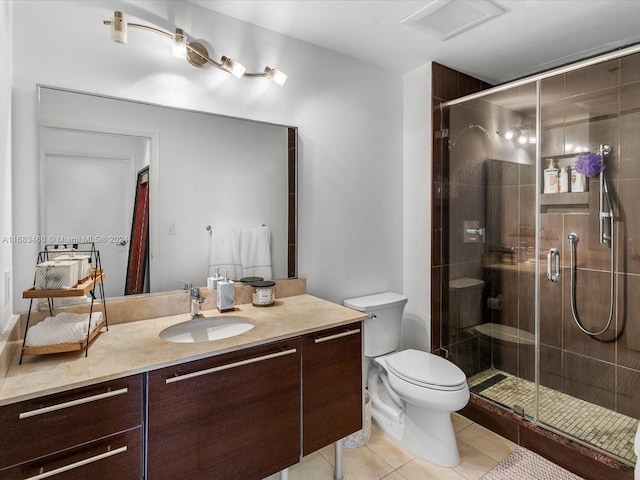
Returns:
point(413, 392)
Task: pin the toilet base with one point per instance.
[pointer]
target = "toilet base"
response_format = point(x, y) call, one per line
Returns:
point(427, 434)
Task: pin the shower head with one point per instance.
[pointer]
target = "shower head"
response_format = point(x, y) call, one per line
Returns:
point(479, 127)
point(471, 125)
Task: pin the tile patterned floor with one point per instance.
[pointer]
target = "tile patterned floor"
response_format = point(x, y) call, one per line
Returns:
point(599, 426)
point(382, 458)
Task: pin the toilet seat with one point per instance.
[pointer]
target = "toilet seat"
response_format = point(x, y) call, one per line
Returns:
point(426, 370)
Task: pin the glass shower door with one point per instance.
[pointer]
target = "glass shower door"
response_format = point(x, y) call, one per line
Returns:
point(489, 257)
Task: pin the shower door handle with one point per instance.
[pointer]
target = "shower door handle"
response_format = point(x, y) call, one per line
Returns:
point(553, 275)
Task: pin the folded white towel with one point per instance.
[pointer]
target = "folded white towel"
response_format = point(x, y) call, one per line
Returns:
point(63, 328)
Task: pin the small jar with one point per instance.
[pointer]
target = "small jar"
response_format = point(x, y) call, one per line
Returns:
point(264, 293)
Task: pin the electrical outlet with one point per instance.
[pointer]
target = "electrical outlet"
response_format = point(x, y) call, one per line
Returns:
point(172, 228)
point(7, 286)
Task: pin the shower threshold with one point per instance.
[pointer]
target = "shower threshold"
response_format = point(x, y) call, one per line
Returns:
point(586, 422)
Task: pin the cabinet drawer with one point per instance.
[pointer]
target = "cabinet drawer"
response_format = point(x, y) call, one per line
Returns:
point(331, 386)
point(118, 457)
point(229, 417)
point(45, 425)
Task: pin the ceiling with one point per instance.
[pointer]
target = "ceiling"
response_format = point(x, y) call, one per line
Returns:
point(529, 36)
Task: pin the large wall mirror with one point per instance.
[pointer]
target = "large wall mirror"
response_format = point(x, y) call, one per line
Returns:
point(153, 185)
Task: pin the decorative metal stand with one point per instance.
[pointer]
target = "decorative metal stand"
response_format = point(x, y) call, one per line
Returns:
point(84, 286)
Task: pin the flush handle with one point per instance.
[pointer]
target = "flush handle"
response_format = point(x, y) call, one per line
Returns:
point(553, 265)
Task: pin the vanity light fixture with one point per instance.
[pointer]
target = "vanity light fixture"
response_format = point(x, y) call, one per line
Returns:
point(195, 52)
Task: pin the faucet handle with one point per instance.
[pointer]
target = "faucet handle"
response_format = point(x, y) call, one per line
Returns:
point(186, 287)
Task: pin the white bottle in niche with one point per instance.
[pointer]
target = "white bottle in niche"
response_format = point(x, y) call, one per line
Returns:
point(551, 177)
point(578, 181)
point(564, 180)
point(226, 294)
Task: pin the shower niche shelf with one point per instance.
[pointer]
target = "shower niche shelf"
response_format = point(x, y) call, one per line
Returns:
point(577, 202)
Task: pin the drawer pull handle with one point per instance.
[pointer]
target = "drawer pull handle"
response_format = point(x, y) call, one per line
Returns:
point(227, 366)
point(337, 335)
point(72, 403)
point(80, 463)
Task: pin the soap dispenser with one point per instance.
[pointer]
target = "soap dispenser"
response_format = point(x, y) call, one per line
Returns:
point(212, 282)
point(226, 294)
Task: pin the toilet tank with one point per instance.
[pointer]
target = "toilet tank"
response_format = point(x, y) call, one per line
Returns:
point(382, 330)
point(465, 302)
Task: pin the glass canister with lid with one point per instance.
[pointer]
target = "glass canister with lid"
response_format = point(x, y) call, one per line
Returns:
point(264, 293)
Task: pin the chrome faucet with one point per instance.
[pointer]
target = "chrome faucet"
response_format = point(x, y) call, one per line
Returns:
point(196, 300)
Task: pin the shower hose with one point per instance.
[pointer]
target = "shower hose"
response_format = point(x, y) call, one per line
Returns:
point(573, 240)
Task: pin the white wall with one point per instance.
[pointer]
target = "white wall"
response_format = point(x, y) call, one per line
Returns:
point(417, 206)
point(349, 115)
point(6, 53)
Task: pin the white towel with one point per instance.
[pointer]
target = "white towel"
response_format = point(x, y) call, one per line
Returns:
point(224, 251)
point(63, 328)
point(255, 252)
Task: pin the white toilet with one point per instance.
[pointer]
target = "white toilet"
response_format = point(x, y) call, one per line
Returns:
point(413, 392)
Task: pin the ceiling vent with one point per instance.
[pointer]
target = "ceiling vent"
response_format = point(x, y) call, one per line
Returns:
point(448, 18)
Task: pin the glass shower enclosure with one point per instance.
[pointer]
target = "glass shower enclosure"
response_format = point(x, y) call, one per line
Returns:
point(542, 251)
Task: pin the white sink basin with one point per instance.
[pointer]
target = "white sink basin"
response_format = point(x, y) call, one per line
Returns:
point(206, 329)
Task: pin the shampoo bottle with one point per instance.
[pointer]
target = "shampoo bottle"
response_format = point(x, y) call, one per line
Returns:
point(578, 181)
point(564, 180)
point(551, 178)
point(226, 294)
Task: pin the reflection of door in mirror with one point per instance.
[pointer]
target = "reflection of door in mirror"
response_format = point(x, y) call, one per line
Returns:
point(138, 265)
point(87, 188)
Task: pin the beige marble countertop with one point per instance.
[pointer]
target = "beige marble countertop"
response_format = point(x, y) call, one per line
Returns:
point(135, 347)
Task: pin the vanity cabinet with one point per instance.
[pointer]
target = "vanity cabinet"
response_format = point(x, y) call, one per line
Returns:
point(331, 386)
point(88, 432)
point(228, 417)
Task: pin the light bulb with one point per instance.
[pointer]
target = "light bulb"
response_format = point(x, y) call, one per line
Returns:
point(522, 139)
point(275, 75)
point(118, 28)
point(234, 68)
point(509, 134)
point(179, 48)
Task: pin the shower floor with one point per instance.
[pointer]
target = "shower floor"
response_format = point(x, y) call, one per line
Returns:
point(593, 424)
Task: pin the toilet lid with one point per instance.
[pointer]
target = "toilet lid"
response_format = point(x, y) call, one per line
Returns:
point(425, 368)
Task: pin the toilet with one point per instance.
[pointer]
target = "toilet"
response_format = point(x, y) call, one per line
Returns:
point(413, 392)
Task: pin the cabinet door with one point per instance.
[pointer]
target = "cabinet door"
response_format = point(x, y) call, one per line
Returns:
point(44, 425)
point(229, 417)
point(117, 457)
point(331, 386)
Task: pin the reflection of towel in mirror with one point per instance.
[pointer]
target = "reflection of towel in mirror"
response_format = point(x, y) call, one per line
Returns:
point(224, 251)
point(65, 327)
point(255, 252)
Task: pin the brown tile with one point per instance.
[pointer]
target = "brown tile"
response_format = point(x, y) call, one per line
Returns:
point(595, 77)
point(589, 379)
point(628, 321)
point(592, 305)
point(628, 226)
point(628, 392)
point(629, 166)
point(630, 68)
point(551, 367)
point(550, 311)
point(552, 88)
